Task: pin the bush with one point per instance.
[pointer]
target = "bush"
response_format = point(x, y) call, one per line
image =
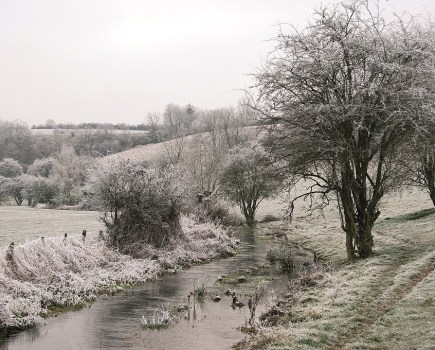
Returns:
point(270, 218)
point(142, 206)
point(200, 292)
point(38, 189)
point(217, 212)
point(10, 168)
point(281, 253)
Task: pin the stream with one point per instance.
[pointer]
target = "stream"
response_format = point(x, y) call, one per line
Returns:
point(114, 322)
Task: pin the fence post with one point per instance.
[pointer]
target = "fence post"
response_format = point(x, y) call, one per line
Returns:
point(10, 253)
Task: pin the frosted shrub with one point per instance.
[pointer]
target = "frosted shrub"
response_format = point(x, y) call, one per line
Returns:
point(281, 253)
point(200, 242)
point(18, 313)
point(141, 205)
point(48, 273)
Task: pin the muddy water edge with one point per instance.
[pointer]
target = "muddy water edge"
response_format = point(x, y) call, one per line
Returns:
point(114, 322)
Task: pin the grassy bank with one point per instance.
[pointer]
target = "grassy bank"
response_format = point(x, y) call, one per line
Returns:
point(385, 302)
point(49, 274)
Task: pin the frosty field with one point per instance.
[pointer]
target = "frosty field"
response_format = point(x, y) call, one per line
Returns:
point(19, 224)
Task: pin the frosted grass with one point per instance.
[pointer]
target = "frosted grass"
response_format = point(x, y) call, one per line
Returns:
point(54, 272)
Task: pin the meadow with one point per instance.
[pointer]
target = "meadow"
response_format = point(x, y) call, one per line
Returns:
point(20, 223)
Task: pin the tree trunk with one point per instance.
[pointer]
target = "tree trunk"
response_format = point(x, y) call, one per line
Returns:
point(248, 211)
point(364, 240)
point(249, 214)
point(356, 211)
point(349, 223)
point(432, 194)
point(250, 220)
point(359, 237)
point(429, 176)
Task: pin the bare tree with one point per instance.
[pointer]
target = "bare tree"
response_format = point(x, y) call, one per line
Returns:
point(69, 171)
point(339, 100)
point(175, 149)
point(153, 121)
point(178, 120)
point(422, 164)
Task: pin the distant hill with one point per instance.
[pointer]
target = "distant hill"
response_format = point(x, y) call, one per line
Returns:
point(152, 152)
point(140, 154)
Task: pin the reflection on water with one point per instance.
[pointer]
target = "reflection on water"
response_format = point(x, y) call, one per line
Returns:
point(114, 323)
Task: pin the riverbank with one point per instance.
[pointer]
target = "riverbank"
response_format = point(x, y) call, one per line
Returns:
point(385, 302)
point(55, 273)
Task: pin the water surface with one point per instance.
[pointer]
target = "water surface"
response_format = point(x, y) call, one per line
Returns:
point(114, 322)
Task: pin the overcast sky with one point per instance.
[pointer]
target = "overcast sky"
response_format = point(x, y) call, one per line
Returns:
point(115, 60)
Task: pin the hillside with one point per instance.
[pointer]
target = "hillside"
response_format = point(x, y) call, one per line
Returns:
point(139, 154)
point(153, 152)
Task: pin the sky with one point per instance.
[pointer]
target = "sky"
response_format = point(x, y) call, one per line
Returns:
point(114, 61)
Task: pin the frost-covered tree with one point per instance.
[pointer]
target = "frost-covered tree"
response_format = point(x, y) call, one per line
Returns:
point(222, 129)
point(3, 193)
point(152, 120)
point(10, 168)
point(41, 167)
point(248, 178)
point(339, 100)
point(202, 162)
point(141, 206)
point(13, 187)
point(39, 189)
point(16, 141)
point(69, 171)
point(177, 121)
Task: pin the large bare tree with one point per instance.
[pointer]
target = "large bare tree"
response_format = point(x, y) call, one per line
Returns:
point(340, 101)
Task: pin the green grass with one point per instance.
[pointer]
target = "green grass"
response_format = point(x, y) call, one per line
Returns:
point(413, 216)
point(200, 292)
